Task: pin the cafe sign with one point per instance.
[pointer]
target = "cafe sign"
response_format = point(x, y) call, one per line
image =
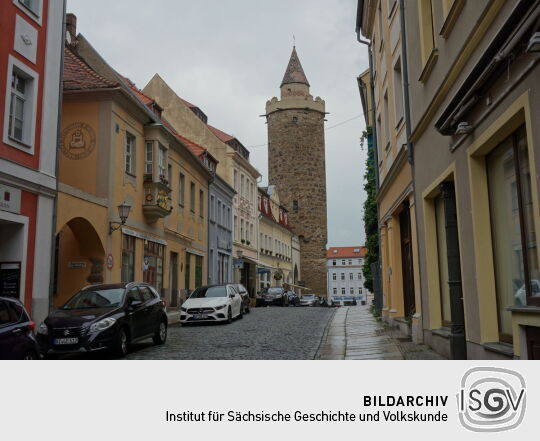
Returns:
point(10, 199)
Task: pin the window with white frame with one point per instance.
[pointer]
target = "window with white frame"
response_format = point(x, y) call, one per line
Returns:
point(342, 276)
point(343, 262)
point(162, 161)
point(130, 154)
point(335, 291)
point(235, 174)
point(242, 230)
point(334, 263)
point(33, 7)
point(212, 208)
point(351, 276)
point(359, 276)
point(149, 158)
point(343, 291)
point(242, 189)
point(350, 261)
point(20, 108)
point(359, 290)
point(334, 276)
point(351, 291)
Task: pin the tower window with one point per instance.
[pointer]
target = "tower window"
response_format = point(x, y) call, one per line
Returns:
point(295, 205)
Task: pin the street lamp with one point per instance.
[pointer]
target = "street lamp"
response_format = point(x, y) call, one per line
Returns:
point(123, 213)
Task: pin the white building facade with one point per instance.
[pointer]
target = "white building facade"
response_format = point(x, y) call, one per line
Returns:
point(344, 272)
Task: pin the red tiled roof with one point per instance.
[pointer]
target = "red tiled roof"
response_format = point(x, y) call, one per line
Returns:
point(345, 252)
point(80, 76)
point(221, 135)
point(195, 148)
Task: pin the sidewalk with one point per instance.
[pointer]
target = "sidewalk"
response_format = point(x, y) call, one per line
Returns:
point(354, 334)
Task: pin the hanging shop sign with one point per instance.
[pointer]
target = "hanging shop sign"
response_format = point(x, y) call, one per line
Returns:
point(10, 199)
point(10, 279)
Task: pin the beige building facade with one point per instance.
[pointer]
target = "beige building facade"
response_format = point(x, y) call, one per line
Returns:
point(475, 95)
point(379, 21)
point(233, 166)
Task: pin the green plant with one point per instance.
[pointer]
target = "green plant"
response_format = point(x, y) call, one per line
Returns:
point(371, 227)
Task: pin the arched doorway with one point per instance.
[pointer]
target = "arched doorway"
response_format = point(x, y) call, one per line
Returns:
point(79, 258)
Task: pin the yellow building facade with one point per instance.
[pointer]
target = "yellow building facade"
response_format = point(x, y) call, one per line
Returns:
point(117, 155)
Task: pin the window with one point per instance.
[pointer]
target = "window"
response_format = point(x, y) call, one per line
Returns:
point(251, 191)
point(235, 180)
point(359, 276)
point(295, 206)
point(334, 276)
point(379, 138)
point(350, 261)
point(335, 291)
point(351, 276)
point(128, 258)
point(342, 276)
point(219, 219)
point(212, 210)
point(351, 291)
point(334, 262)
point(201, 203)
point(130, 154)
point(192, 197)
point(242, 230)
point(427, 36)
point(162, 161)
point(242, 189)
point(181, 189)
point(380, 20)
point(20, 107)
point(169, 174)
point(198, 271)
point(359, 290)
point(228, 222)
point(398, 92)
point(343, 291)
point(32, 5)
point(235, 228)
point(512, 225)
point(443, 262)
point(153, 264)
point(149, 158)
point(343, 262)
point(251, 232)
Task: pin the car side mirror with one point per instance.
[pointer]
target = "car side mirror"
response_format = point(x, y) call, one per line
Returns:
point(132, 303)
point(231, 296)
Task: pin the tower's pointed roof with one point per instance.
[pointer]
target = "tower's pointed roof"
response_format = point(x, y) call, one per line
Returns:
point(294, 72)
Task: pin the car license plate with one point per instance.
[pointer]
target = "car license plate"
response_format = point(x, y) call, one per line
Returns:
point(66, 341)
point(201, 316)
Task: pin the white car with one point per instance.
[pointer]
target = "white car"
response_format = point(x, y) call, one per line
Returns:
point(214, 303)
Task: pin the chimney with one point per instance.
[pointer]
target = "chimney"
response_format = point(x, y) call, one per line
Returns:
point(71, 28)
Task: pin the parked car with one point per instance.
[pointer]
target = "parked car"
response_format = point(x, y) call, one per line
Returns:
point(294, 300)
point(212, 303)
point(275, 296)
point(17, 340)
point(349, 301)
point(336, 301)
point(309, 300)
point(105, 317)
point(245, 296)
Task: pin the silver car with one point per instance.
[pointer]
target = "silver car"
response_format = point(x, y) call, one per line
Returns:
point(309, 300)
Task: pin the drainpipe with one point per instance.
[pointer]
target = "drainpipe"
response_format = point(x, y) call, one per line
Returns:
point(57, 162)
point(375, 151)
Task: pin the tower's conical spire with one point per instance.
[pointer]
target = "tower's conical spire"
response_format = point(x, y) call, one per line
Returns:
point(294, 72)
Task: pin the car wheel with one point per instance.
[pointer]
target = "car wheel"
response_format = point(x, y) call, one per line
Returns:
point(241, 314)
point(122, 343)
point(31, 355)
point(247, 311)
point(229, 315)
point(161, 334)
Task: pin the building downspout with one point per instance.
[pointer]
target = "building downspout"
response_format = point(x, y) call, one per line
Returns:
point(410, 149)
point(57, 162)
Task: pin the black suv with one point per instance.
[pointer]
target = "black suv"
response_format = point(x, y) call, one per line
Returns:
point(17, 339)
point(103, 317)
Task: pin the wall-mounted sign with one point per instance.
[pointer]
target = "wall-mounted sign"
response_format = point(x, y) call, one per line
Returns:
point(77, 141)
point(73, 264)
point(238, 263)
point(10, 279)
point(10, 199)
point(110, 261)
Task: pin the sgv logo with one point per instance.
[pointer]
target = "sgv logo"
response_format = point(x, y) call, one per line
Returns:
point(491, 399)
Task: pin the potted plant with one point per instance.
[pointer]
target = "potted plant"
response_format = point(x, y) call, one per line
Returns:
point(243, 241)
point(164, 180)
point(278, 276)
point(247, 242)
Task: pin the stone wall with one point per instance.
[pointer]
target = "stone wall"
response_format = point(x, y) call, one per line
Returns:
point(296, 164)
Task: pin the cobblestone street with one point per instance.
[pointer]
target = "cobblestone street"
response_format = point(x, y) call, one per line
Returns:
point(271, 333)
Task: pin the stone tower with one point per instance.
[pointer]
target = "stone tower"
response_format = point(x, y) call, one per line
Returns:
point(296, 164)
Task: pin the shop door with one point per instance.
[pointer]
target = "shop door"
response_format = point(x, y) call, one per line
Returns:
point(174, 279)
point(407, 261)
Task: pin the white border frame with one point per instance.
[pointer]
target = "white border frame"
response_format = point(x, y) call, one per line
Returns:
point(23, 220)
point(35, 17)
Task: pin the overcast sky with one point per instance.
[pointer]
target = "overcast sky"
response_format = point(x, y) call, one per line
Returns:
point(228, 57)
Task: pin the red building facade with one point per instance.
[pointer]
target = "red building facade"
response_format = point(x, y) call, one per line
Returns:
point(31, 50)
